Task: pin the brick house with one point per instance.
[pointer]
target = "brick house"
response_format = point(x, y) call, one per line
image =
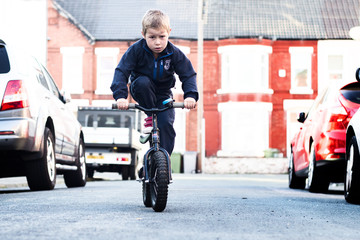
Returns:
point(264, 61)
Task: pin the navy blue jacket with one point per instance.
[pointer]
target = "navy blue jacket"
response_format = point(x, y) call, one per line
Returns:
point(138, 60)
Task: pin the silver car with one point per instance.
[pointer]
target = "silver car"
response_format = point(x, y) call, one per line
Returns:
point(39, 136)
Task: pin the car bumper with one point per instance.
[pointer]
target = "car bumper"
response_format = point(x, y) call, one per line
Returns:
point(17, 134)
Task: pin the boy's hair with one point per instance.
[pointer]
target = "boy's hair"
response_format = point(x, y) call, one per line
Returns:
point(155, 19)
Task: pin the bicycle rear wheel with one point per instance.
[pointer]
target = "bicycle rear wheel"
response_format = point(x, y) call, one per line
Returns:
point(159, 180)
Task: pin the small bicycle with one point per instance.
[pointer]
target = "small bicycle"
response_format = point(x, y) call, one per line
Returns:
point(156, 175)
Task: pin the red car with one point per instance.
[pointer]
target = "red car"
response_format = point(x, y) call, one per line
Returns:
point(318, 148)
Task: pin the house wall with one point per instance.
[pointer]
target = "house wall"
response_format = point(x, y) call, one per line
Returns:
point(279, 60)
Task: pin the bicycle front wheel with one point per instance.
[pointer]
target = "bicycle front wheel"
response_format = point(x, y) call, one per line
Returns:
point(159, 179)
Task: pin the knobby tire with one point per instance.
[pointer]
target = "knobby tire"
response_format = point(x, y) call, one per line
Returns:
point(159, 180)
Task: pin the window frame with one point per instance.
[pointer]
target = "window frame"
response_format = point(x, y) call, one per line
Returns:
point(73, 85)
point(258, 55)
point(306, 64)
point(103, 87)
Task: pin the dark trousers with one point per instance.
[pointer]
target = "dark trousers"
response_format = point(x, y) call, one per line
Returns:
point(146, 93)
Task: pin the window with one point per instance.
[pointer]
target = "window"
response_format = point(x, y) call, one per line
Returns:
point(72, 74)
point(244, 128)
point(36, 69)
point(4, 60)
point(301, 70)
point(335, 66)
point(245, 68)
point(106, 64)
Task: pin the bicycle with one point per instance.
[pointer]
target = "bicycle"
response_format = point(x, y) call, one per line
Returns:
point(156, 164)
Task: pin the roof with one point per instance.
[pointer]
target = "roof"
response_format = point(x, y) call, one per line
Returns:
point(113, 20)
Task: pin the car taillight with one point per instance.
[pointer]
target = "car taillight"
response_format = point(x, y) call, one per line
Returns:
point(338, 119)
point(15, 96)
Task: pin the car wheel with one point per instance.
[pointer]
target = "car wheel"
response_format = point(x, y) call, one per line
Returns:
point(77, 178)
point(90, 172)
point(125, 172)
point(317, 181)
point(352, 177)
point(41, 173)
point(132, 168)
point(295, 182)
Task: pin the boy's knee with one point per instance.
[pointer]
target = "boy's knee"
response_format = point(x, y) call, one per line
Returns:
point(143, 82)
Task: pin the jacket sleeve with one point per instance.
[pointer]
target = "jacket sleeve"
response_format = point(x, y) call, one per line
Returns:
point(187, 75)
point(122, 73)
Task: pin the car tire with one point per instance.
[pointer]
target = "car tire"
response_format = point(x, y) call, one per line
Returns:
point(90, 172)
point(77, 178)
point(125, 172)
point(41, 173)
point(317, 180)
point(132, 167)
point(352, 176)
point(295, 182)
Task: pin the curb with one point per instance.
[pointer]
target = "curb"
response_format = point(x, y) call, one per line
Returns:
point(246, 165)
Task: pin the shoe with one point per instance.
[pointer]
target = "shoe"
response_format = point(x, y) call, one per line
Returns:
point(144, 137)
point(148, 125)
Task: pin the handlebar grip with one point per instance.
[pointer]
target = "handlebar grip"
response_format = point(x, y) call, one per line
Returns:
point(132, 105)
point(178, 105)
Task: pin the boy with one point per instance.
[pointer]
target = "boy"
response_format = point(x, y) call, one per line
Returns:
point(151, 63)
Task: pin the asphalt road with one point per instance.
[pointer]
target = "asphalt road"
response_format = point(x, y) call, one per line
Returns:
point(199, 207)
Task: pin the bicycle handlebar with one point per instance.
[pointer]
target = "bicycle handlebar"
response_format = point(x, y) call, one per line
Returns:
point(134, 105)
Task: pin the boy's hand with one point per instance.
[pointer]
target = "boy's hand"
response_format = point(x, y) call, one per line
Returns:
point(122, 104)
point(189, 103)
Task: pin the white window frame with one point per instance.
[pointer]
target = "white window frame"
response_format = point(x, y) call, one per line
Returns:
point(241, 68)
point(72, 69)
point(241, 135)
point(301, 60)
point(103, 85)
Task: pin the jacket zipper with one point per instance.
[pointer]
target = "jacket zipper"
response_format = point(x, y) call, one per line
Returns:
point(155, 70)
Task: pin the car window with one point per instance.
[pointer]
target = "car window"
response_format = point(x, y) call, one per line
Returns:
point(4, 60)
point(352, 92)
point(318, 101)
point(53, 87)
point(39, 74)
point(104, 119)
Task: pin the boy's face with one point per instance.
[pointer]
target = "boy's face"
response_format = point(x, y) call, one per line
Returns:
point(156, 39)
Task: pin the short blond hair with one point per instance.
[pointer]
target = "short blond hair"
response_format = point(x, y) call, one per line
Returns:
point(155, 19)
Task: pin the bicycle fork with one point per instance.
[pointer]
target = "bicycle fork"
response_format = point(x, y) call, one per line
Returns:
point(156, 147)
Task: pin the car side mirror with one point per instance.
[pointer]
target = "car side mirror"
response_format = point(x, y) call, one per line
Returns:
point(301, 117)
point(357, 75)
point(66, 96)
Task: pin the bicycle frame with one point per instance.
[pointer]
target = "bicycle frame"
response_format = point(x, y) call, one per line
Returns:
point(155, 138)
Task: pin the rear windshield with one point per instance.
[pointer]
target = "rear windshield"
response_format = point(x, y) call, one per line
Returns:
point(352, 92)
point(4, 60)
point(104, 119)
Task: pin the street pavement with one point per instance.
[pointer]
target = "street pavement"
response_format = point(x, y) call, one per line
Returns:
point(211, 166)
